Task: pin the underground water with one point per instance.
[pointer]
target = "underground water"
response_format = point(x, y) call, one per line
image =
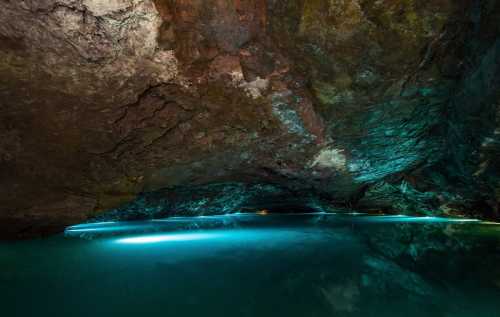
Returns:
point(318, 264)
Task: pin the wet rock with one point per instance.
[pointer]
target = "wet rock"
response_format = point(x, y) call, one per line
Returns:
point(218, 198)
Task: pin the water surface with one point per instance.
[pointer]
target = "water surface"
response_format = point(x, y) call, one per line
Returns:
point(251, 265)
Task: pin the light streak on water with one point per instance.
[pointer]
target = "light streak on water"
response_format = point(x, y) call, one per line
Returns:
point(168, 237)
point(413, 219)
point(151, 228)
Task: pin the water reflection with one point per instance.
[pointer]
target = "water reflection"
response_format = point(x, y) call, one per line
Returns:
point(258, 265)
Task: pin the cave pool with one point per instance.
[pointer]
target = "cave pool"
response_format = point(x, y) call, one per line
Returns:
point(258, 265)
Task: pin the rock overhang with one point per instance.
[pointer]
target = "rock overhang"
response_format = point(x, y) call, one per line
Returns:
point(353, 105)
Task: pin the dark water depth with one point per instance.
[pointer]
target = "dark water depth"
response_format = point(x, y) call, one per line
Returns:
point(250, 265)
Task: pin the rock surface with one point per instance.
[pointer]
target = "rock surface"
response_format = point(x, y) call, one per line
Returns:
point(374, 105)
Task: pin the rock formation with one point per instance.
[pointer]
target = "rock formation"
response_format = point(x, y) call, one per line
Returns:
point(205, 106)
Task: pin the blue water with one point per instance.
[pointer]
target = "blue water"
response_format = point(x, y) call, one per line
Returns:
point(251, 265)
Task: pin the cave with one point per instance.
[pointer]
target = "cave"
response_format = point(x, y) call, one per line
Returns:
point(250, 158)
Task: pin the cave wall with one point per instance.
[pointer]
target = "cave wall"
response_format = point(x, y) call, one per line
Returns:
point(386, 105)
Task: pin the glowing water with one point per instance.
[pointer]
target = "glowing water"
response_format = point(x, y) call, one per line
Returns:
point(168, 237)
point(251, 265)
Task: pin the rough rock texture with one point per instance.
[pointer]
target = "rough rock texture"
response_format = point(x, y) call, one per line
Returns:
point(376, 105)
